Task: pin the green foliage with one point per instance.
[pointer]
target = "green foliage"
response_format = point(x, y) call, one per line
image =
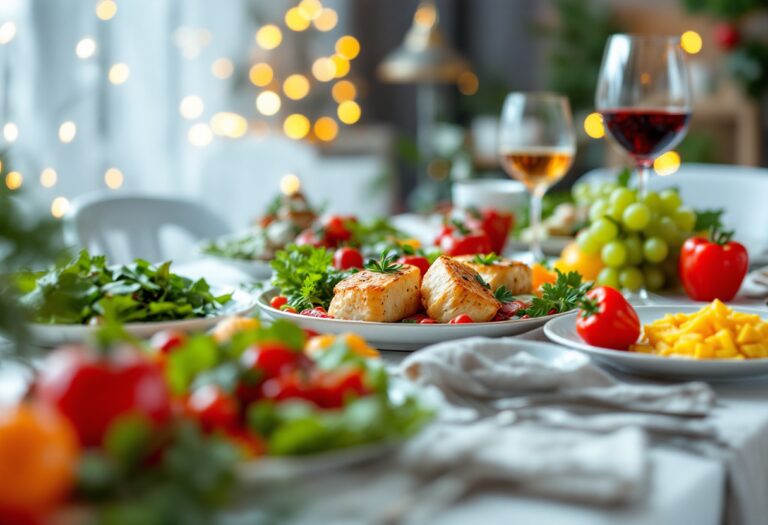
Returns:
point(563, 296)
point(723, 8)
point(306, 276)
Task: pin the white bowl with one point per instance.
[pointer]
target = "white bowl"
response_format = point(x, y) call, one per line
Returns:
point(500, 194)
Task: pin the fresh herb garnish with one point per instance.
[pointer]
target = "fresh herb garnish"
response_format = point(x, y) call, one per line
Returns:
point(306, 276)
point(564, 295)
point(503, 294)
point(486, 259)
point(482, 282)
point(708, 219)
point(385, 264)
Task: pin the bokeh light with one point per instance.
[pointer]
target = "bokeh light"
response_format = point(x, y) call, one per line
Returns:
point(326, 20)
point(426, 15)
point(191, 107)
point(10, 132)
point(85, 48)
point(113, 178)
point(48, 178)
point(310, 9)
point(7, 32)
point(468, 83)
point(296, 126)
point(290, 184)
point(269, 37)
point(324, 69)
point(296, 87)
point(261, 74)
point(348, 47)
point(59, 207)
point(326, 129)
point(667, 164)
point(343, 90)
point(222, 68)
point(106, 9)
point(691, 42)
point(593, 126)
point(349, 112)
point(119, 73)
point(14, 180)
point(227, 124)
point(295, 20)
point(67, 131)
point(268, 103)
point(342, 66)
point(200, 135)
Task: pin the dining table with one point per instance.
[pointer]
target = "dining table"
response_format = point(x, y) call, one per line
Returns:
point(685, 487)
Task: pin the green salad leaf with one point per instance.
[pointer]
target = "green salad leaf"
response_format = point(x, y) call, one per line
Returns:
point(306, 276)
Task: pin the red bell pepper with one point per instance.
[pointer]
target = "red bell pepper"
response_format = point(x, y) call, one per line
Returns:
point(713, 268)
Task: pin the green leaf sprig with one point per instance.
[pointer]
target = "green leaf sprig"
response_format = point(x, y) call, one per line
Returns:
point(486, 259)
point(564, 295)
point(385, 264)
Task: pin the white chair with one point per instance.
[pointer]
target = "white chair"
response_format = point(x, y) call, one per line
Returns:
point(741, 191)
point(124, 227)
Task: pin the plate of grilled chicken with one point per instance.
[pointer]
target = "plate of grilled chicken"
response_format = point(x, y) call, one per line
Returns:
point(403, 310)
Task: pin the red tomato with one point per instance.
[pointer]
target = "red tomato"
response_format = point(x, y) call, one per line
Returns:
point(290, 385)
point(93, 391)
point(331, 388)
point(309, 236)
point(422, 263)
point(213, 408)
point(165, 341)
point(713, 269)
point(336, 231)
point(278, 301)
point(346, 258)
point(457, 243)
point(496, 224)
point(607, 320)
point(427, 320)
point(461, 319)
point(270, 359)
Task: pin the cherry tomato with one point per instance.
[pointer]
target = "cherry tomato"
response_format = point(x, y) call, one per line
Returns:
point(495, 223)
point(167, 340)
point(38, 460)
point(336, 231)
point(289, 385)
point(346, 258)
point(461, 319)
point(278, 301)
point(331, 388)
point(607, 320)
point(270, 359)
point(713, 269)
point(470, 243)
point(94, 391)
point(427, 320)
point(213, 408)
point(422, 263)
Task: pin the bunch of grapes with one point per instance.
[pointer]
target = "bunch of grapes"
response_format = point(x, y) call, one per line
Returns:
point(638, 238)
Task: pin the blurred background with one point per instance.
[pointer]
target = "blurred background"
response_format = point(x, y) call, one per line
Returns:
point(372, 107)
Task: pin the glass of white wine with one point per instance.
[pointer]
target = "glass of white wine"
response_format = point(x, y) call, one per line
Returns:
point(537, 143)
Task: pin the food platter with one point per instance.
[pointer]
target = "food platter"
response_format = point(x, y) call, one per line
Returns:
point(403, 336)
point(563, 331)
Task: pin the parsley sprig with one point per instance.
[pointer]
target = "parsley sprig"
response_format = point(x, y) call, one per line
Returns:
point(306, 276)
point(504, 294)
point(487, 259)
point(482, 281)
point(567, 292)
point(385, 264)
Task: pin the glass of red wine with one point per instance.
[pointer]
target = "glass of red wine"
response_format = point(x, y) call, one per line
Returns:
point(644, 96)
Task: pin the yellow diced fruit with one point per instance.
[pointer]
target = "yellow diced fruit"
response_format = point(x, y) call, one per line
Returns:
point(704, 351)
point(748, 334)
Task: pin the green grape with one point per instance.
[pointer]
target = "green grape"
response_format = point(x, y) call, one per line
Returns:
point(654, 249)
point(685, 219)
point(607, 188)
point(667, 230)
point(598, 209)
point(604, 230)
point(582, 193)
point(588, 242)
point(634, 247)
point(608, 277)
point(670, 201)
point(636, 216)
point(622, 197)
point(614, 254)
point(652, 200)
point(654, 277)
point(615, 213)
point(631, 278)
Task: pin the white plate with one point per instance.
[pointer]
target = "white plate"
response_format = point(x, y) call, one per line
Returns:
point(403, 336)
point(563, 331)
point(256, 269)
point(57, 334)
point(552, 246)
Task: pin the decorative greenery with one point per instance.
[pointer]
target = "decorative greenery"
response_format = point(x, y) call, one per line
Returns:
point(385, 264)
point(306, 276)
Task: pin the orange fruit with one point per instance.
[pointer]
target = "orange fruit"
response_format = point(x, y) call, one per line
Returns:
point(572, 259)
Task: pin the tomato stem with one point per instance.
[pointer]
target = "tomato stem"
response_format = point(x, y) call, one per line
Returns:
point(718, 236)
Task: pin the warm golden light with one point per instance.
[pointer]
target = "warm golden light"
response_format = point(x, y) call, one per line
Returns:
point(326, 129)
point(310, 9)
point(222, 68)
point(14, 180)
point(468, 83)
point(48, 178)
point(343, 90)
point(85, 48)
point(593, 126)
point(200, 135)
point(106, 9)
point(296, 87)
point(348, 47)
point(348, 112)
point(326, 20)
point(113, 178)
point(119, 73)
point(7, 32)
point(296, 126)
point(59, 207)
point(290, 184)
point(10, 131)
point(667, 164)
point(269, 36)
point(67, 131)
point(191, 107)
point(295, 20)
point(342, 66)
point(261, 74)
point(426, 15)
point(268, 103)
point(226, 124)
point(691, 42)
point(324, 69)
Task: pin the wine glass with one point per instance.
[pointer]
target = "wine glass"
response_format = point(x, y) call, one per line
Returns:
point(537, 144)
point(644, 96)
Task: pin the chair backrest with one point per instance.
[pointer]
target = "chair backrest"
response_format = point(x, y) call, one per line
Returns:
point(124, 227)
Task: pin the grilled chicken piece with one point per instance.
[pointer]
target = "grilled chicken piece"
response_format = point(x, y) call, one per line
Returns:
point(452, 288)
point(378, 297)
point(516, 276)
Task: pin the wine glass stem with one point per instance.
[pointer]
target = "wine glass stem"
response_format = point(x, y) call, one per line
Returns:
point(537, 195)
point(643, 175)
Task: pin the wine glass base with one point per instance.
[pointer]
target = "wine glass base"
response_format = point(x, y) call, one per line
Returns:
point(639, 297)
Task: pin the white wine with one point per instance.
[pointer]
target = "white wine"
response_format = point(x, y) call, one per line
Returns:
point(537, 167)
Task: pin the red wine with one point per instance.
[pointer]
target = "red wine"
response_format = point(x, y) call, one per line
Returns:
point(646, 133)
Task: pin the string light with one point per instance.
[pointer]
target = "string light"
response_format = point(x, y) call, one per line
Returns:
point(10, 131)
point(326, 129)
point(268, 103)
point(341, 66)
point(59, 207)
point(200, 135)
point(269, 37)
point(222, 68)
point(113, 178)
point(290, 184)
point(296, 87)
point(261, 74)
point(295, 20)
point(343, 90)
point(119, 73)
point(326, 20)
point(348, 47)
point(14, 180)
point(691, 42)
point(349, 112)
point(468, 83)
point(667, 164)
point(296, 126)
point(48, 178)
point(593, 126)
point(106, 9)
point(324, 69)
point(67, 131)
point(85, 48)
point(191, 107)
point(7, 32)
point(228, 124)
point(310, 9)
